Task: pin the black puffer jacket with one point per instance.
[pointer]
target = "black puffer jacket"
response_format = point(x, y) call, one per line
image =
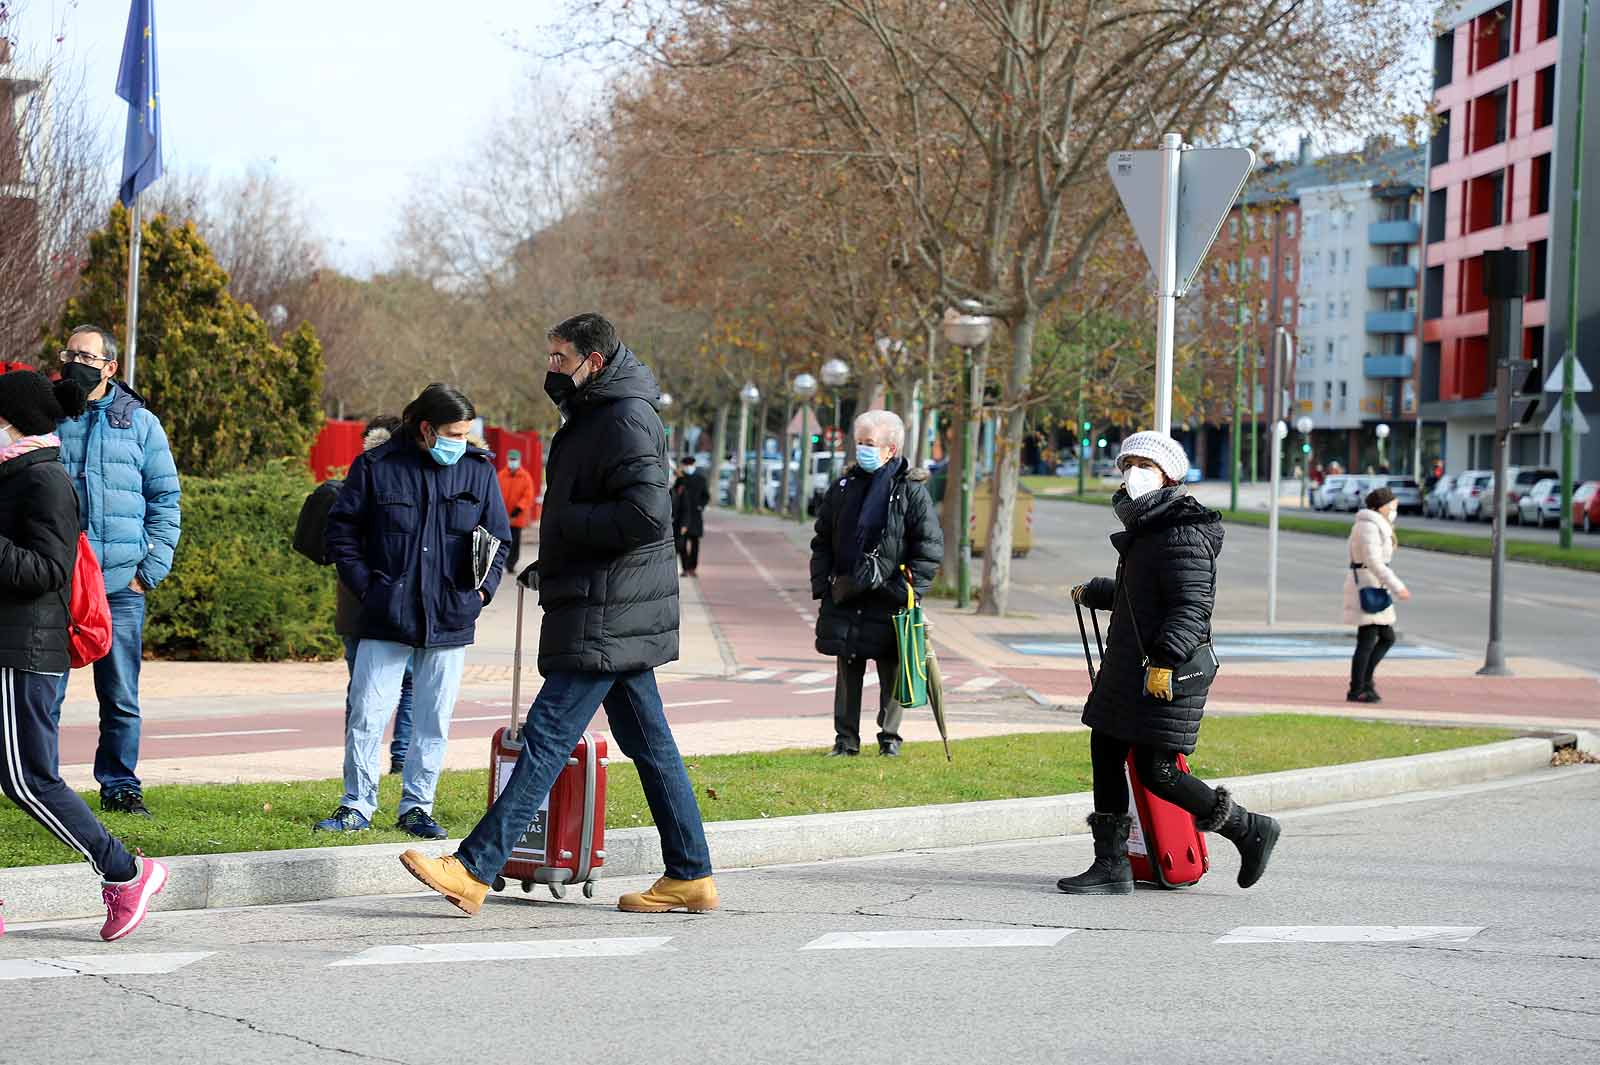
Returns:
point(1168, 546)
point(860, 627)
point(690, 497)
point(608, 574)
point(38, 549)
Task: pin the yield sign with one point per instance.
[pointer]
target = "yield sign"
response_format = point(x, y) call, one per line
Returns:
point(1552, 424)
point(1209, 181)
point(1555, 381)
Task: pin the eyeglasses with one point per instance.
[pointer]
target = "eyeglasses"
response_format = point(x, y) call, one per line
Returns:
point(70, 355)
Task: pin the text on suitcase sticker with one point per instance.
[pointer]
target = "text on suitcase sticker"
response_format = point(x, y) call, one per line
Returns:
point(532, 845)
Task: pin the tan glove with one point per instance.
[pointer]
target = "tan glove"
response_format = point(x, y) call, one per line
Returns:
point(1077, 592)
point(1158, 682)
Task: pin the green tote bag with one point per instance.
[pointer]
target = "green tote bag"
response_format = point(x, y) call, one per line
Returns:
point(911, 641)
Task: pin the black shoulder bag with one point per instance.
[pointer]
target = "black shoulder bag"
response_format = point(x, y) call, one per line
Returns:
point(1192, 677)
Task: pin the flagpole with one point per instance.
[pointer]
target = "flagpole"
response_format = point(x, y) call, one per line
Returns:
point(134, 236)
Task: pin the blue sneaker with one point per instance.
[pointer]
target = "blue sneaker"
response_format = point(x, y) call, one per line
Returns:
point(344, 819)
point(417, 822)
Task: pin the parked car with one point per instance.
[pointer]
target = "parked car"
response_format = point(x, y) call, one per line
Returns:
point(1407, 492)
point(1541, 503)
point(1466, 500)
point(1518, 480)
point(1353, 493)
point(1586, 506)
point(1323, 495)
point(1434, 505)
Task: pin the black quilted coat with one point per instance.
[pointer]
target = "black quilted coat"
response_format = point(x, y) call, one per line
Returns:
point(38, 550)
point(1168, 550)
point(608, 574)
point(860, 627)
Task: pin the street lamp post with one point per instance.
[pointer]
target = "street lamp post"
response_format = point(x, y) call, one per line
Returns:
point(749, 396)
point(1303, 425)
point(835, 373)
point(968, 330)
point(665, 405)
point(1382, 433)
point(804, 388)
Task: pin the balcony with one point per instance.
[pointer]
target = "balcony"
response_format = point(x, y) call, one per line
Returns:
point(1386, 367)
point(1392, 322)
point(1404, 231)
point(1391, 277)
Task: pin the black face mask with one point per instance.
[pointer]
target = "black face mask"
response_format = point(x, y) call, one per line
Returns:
point(559, 387)
point(83, 375)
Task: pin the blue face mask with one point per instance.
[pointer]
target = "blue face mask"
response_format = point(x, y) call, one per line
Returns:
point(867, 457)
point(447, 452)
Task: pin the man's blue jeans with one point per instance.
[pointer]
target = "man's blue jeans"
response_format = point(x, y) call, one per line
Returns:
point(374, 691)
point(401, 743)
point(116, 683)
point(563, 709)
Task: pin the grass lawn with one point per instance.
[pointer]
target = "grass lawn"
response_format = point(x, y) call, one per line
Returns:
point(203, 819)
point(1093, 487)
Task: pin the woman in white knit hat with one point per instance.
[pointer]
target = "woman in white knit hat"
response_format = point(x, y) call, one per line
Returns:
point(1160, 602)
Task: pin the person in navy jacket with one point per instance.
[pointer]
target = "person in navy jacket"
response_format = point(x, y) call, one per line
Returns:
point(401, 535)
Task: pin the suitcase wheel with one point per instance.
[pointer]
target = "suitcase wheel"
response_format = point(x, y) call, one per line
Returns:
point(527, 886)
point(499, 883)
point(588, 889)
point(558, 890)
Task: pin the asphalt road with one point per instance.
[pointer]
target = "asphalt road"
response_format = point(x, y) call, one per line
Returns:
point(1502, 874)
point(1549, 612)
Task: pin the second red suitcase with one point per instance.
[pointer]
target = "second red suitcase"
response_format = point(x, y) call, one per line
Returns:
point(565, 843)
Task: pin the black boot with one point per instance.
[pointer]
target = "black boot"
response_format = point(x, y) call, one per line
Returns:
point(1254, 834)
point(1110, 874)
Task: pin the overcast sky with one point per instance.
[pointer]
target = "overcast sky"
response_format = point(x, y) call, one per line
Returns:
point(351, 100)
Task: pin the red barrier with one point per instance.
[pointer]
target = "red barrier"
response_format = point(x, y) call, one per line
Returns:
point(340, 442)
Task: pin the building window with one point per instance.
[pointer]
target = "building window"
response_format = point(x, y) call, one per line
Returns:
point(1485, 201)
point(1538, 269)
point(1233, 226)
point(1288, 268)
point(1344, 394)
point(1250, 227)
point(1439, 146)
point(1491, 37)
point(1544, 98)
point(1333, 263)
point(1349, 217)
point(1397, 255)
point(1433, 292)
point(1261, 310)
point(1333, 220)
point(1488, 124)
point(1332, 308)
point(1245, 313)
point(1266, 268)
point(1344, 306)
point(1444, 58)
point(1288, 310)
point(1249, 268)
point(1233, 272)
point(1470, 291)
point(1541, 184)
point(1327, 393)
point(1436, 208)
point(1288, 224)
point(1347, 260)
point(1313, 226)
point(1305, 391)
point(1311, 313)
point(1549, 18)
point(1327, 355)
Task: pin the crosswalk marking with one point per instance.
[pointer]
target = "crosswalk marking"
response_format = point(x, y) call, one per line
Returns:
point(1336, 933)
point(217, 735)
point(915, 940)
point(437, 953)
point(809, 678)
point(696, 702)
point(759, 674)
point(98, 965)
point(978, 684)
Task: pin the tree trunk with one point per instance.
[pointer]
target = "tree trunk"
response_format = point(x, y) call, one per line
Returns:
point(783, 456)
point(1008, 449)
point(719, 452)
point(908, 390)
point(950, 509)
point(760, 448)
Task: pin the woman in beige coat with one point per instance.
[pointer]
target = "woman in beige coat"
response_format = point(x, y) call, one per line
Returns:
point(1372, 546)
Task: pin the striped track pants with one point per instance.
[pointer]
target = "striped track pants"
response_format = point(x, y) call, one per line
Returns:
point(31, 778)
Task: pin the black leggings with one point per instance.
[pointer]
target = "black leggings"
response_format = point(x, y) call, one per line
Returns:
point(1158, 771)
point(1372, 643)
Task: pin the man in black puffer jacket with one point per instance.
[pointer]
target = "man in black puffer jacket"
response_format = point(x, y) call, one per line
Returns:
point(1160, 602)
point(607, 577)
point(879, 508)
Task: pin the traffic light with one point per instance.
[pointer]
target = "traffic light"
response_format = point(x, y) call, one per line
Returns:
point(1305, 449)
point(1087, 426)
point(1086, 441)
point(816, 438)
point(1102, 441)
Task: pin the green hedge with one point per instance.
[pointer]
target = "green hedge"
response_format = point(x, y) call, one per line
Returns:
point(238, 592)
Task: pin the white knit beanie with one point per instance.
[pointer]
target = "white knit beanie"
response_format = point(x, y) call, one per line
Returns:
point(1159, 448)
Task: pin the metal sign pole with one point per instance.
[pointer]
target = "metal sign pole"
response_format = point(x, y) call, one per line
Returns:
point(1503, 275)
point(130, 350)
point(1282, 351)
point(1167, 281)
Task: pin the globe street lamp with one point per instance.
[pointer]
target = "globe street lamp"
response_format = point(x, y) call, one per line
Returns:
point(1382, 432)
point(749, 395)
point(968, 329)
point(804, 387)
point(664, 404)
point(835, 372)
point(1303, 424)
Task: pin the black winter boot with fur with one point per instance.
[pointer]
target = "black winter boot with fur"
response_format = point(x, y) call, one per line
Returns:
point(1254, 834)
point(1110, 874)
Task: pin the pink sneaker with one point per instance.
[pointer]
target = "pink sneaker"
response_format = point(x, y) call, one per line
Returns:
point(126, 904)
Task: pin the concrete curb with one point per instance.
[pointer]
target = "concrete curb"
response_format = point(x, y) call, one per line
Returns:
point(276, 877)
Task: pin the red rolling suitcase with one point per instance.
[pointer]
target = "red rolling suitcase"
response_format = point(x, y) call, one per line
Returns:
point(566, 842)
point(1164, 846)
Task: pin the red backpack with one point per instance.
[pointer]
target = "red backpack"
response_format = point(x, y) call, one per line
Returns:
point(89, 627)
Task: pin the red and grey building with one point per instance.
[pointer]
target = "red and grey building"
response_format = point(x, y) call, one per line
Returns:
point(1500, 176)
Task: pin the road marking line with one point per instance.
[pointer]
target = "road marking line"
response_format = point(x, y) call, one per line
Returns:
point(440, 953)
point(978, 684)
point(98, 965)
point(809, 678)
point(976, 937)
point(1372, 933)
point(811, 691)
point(482, 717)
point(215, 735)
point(759, 674)
point(698, 702)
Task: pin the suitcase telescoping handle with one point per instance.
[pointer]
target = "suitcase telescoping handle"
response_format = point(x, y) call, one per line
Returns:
point(516, 667)
point(1083, 632)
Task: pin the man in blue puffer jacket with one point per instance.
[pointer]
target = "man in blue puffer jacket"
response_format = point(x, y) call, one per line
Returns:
point(121, 465)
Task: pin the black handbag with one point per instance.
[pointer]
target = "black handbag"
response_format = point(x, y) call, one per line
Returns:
point(1373, 600)
point(1192, 677)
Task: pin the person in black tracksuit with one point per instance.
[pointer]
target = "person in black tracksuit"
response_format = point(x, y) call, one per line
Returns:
point(879, 507)
point(38, 552)
point(1165, 588)
point(690, 497)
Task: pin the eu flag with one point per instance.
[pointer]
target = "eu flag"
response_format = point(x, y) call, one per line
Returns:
point(138, 84)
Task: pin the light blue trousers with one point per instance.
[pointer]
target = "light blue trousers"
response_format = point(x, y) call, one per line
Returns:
point(374, 690)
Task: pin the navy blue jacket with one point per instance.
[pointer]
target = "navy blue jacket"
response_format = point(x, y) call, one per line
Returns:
point(400, 534)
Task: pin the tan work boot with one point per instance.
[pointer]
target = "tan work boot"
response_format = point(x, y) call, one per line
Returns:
point(667, 894)
point(449, 878)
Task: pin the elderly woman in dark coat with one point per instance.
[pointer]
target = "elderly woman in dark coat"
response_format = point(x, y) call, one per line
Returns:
point(1160, 603)
point(874, 519)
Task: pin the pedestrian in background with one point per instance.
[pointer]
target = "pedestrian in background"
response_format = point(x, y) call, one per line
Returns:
point(609, 589)
point(690, 497)
point(121, 465)
point(873, 521)
point(516, 488)
point(401, 534)
point(39, 528)
point(1160, 601)
point(347, 625)
point(1371, 548)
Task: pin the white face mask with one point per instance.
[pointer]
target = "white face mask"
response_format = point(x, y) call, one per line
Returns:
point(1141, 480)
